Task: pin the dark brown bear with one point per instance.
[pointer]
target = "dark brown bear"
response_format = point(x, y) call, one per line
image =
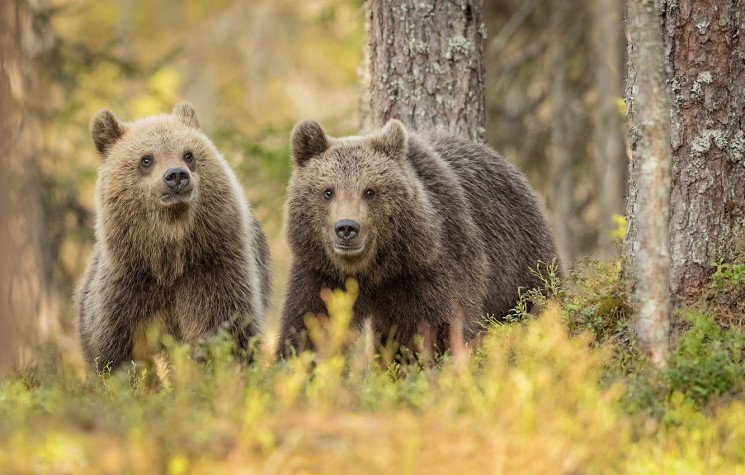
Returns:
point(177, 243)
point(421, 221)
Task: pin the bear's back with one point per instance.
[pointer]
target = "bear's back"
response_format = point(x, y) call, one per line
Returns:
point(511, 225)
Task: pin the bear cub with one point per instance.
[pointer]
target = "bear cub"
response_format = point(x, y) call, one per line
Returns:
point(176, 242)
point(422, 221)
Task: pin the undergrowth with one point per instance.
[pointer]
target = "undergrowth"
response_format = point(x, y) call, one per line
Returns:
point(561, 390)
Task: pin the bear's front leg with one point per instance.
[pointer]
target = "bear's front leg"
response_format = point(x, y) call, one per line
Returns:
point(303, 297)
point(207, 301)
point(408, 307)
point(111, 308)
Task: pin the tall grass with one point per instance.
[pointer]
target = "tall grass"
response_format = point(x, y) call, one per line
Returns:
point(536, 396)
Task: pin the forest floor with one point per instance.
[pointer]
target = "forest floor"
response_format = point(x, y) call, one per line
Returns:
point(566, 391)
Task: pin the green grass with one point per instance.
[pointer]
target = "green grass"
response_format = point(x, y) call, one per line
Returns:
point(725, 272)
point(564, 392)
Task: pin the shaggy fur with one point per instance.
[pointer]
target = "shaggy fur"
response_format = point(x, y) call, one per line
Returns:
point(449, 221)
point(191, 259)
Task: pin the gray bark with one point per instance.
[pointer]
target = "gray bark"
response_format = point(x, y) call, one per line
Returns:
point(647, 251)
point(426, 68)
point(705, 46)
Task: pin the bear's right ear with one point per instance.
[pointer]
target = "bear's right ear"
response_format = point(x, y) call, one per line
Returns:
point(392, 140)
point(308, 140)
point(186, 114)
point(106, 129)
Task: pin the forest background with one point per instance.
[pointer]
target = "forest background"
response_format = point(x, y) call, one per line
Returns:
point(554, 89)
point(568, 391)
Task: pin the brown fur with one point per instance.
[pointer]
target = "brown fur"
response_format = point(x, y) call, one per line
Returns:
point(193, 260)
point(450, 222)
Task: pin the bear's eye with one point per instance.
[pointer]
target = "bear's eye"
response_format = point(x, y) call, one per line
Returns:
point(147, 161)
point(328, 193)
point(188, 157)
point(369, 194)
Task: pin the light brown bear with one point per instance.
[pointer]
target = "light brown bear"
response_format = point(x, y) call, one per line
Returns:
point(176, 240)
point(422, 221)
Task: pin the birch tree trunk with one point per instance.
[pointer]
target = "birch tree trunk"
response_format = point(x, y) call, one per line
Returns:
point(647, 238)
point(425, 66)
point(705, 44)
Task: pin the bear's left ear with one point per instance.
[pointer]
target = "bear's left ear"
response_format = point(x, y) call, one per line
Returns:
point(106, 129)
point(392, 140)
point(185, 113)
point(308, 140)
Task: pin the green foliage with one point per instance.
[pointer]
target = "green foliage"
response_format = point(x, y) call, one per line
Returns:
point(267, 154)
point(537, 298)
point(597, 300)
point(727, 273)
point(708, 360)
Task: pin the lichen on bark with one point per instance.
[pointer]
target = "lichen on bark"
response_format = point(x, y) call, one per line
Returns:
point(424, 66)
point(704, 44)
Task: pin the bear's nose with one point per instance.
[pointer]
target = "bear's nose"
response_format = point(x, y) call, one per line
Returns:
point(176, 178)
point(347, 229)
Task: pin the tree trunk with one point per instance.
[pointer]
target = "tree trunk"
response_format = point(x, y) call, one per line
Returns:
point(610, 153)
point(562, 207)
point(705, 44)
point(125, 26)
point(23, 280)
point(426, 66)
point(647, 249)
point(41, 225)
point(29, 302)
point(8, 142)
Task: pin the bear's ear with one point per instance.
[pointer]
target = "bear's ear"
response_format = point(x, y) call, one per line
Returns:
point(392, 140)
point(106, 129)
point(185, 113)
point(308, 140)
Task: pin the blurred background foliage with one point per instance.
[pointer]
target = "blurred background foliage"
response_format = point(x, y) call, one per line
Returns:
point(254, 68)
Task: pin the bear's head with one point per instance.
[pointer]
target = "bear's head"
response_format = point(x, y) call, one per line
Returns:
point(359, 200)
point(155, 157)
point(161, 180)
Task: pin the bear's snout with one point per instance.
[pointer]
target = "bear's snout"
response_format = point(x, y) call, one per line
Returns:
point(347, 229)
point(176, 178)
